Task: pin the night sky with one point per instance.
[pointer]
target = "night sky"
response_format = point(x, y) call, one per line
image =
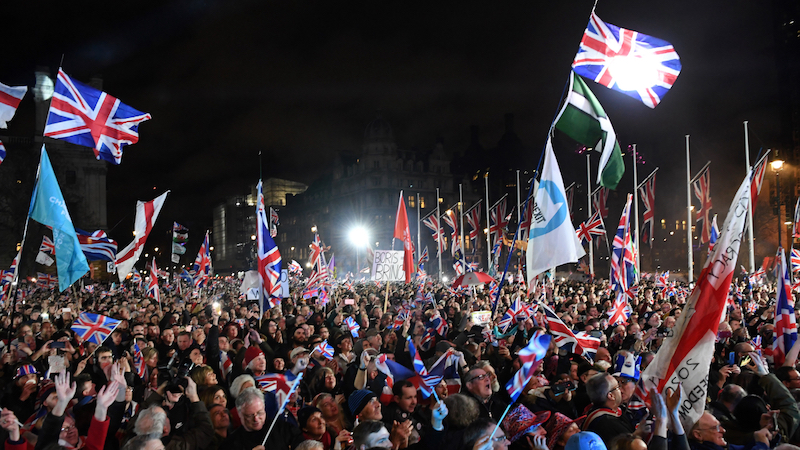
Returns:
point(300, 80)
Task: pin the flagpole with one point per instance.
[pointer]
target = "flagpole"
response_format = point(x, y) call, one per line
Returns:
point(589, 203)
point(488, 235)
point(461, 220)
point(439, 234)
point(636, 214)
point(689, 213)
point(751, 250)
point(519, 202)
point(419, 227)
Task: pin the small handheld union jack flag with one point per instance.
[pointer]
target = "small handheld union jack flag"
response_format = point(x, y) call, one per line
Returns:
point(428, 382)
point(138, 361)
point(324, 349)
point(352, 326)
point(534, 352)
point(94, 327)
point(47, 246)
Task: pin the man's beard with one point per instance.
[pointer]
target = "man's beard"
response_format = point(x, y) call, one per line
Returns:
point(495, 385)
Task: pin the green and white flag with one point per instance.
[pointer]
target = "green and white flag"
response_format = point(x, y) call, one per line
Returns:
point(582, 118)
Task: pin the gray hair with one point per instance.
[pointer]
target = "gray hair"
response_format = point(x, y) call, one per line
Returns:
point(248, 396)
point(598, 387)
point(463, 410)
point(139, 442)
point(236, 386)
point(310, 445)
point(151, 422)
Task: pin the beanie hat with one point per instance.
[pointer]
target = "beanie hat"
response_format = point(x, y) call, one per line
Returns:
point(305, 413)
point(252, 353)
point(26, 369)
point(358, 400)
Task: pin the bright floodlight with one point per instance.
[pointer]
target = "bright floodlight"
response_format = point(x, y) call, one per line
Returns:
point(634, 73)
point(359, 237)
point(777, 165)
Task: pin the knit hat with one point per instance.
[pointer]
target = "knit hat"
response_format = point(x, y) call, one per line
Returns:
point(521, 421)
point(585, 440)
point(558, 424)
point(305, 413)
point(358, 400)
point(26, 369)
point(252, 353)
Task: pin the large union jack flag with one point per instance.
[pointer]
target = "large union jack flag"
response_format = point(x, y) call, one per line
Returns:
point(269, 258)
point(592, 227)
point(97, 246)
point(702, 189)
point(152, 287)
point(758, 179)
point(433, 224)
point(47, 246)
point(202, 264)
point(648, 194)
point(474, 221)
point(85, 116)
point(497, 218)
point(620, 311)
point(785, 324)
point(94, 327)
point(623, 255)
point(627, 61)
point(450, 219)
point(582, 343)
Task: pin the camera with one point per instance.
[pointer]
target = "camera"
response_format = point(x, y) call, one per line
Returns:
point(561, 388)
point(174, 374)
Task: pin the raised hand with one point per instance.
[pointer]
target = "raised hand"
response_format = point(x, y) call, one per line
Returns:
point(65, 391)
point(438, 415)
point(10, 423)
point(105, 398)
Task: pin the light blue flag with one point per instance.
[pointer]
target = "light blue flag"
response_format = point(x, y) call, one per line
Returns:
point(49, 208)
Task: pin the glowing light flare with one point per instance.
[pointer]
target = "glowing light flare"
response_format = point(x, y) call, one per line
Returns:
point(634, 73)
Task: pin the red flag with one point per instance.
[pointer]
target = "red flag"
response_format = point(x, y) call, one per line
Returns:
point(402, 232)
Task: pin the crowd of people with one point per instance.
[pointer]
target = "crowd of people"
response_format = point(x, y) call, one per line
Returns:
point(212, 372)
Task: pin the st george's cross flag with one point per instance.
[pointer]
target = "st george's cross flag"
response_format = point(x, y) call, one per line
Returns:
point(583, 119)
point(785, 324)
point(686, 356)
point(82, 115)
point(49, 208)
point(146, 216)
point(94, 328)
point(702, 190)
point(552, 240)
point(627, 61)
point(10, 96)
point(269, 258)
point(647, 192)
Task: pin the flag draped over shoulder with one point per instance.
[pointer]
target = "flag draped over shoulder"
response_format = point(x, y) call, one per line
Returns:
point(402, 232)
point(49, 208)
point(552, 240)
point(583, 119)
point(686, 355)
point(146, 216)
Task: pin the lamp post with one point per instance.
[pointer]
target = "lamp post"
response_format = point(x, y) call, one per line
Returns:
point(359, 238)
point(777, 166)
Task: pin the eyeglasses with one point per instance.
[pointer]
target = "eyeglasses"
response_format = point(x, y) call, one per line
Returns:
point(499, 438)
point(479, 377)
point(253, 416)
point(67, 429)
point(716, 429)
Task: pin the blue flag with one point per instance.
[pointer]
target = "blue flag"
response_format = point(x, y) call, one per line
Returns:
point(49, 208)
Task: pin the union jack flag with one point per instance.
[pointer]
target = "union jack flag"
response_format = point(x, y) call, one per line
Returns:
point(428, 381)
point(136, 278)
point(2, 152)
point(450, 219)
point(757, 277)
point(758, 179)
point(623, 255)
point(581, 343)
point(613, 56)
point(269, 258)
point(324, 349)
point(599, 199)
point(648, 194)
point(702, 189)
point(48, 281)
point(438, 324)
point(534, 352)
point(527, 214)
point(785, 324)
point(275, 383)
point(47, 246)
point(310, 292)
point(152, 287)
point(714, 235)
point(433, 224)
point(474, 221)
point(662, 280)
point(400, 319)
point(620, 311)
point(323, 298)
point(427, 339)
point(424, 257)
point(756, 343)
point(202, 264)
point(85, 116)
point(94, 327)
point(97, 246)
point(517, 308)
point(352, 326)
point(593, 226)
point(295, 268)
point(274, 221)
point(632, 292)
point(138, 361)
point(497, 218)
point(8, 275)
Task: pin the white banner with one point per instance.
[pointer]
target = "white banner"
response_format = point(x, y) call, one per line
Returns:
point(284, 283)
point(388, 266)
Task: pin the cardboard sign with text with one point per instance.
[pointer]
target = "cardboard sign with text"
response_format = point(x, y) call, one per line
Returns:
point(388, 266)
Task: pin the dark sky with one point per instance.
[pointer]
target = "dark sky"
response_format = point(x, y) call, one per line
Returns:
point(299, 80)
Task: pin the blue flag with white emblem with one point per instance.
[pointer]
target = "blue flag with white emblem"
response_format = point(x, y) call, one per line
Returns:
point(49, 208)
point(552, 240)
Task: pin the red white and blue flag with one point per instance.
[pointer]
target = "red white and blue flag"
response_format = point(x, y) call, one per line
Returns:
point(497, 219)
point(662, 280)
point(785, 324)
point(85, 116)
point(10, 97)
point(152, 287)
point(516, 309)
point(295, 268)
point(620, 311)
point(474, 221)
point(324, 349)
point(533, 353)
point(47, 281)
point(638, 65)
point(451, 220)
point(274, 221)
point(352, 326)
point(427, 381)
point(269, 258)
point(592, 227)
point(433, 224)
point(47, 246)
point(94, 328)
point(2, 152)
point(758, 179)
point(580, 343)
point(623, 255)
point(648, 195)
point(202, 265)
point(702, 190)
point(599, 199)
point(526, 211)
point(138, 361)
point(97, 246)
point(275, 383)
point(795, 260)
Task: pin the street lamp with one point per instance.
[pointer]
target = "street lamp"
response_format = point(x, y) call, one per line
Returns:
point(359, 237)
point(777, 166)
